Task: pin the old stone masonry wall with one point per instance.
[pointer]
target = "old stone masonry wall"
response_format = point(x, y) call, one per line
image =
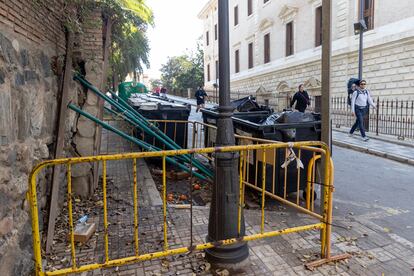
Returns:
point(28, 104)
point(32, 53)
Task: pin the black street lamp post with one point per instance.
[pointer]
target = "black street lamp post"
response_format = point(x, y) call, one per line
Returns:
point(362, 28)
point(225, 199)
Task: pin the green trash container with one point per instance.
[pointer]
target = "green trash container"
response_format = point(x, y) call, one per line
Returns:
point(126, 89)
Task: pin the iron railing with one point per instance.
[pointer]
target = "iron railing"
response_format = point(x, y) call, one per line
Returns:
point(391, 117)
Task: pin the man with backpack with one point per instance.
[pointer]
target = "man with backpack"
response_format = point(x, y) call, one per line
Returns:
point(360, 102)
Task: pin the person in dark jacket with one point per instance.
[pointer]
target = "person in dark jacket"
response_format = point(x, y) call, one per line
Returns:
point(200, 97)
point(301, 98)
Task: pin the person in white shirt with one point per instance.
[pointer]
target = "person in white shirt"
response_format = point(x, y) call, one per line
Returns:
point(361, 100)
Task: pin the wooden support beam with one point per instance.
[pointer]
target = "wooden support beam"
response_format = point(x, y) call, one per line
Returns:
point(313, 265)
point(60, 140)
point(105, 67)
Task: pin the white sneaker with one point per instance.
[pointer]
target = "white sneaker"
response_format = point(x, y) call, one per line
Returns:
point(350, 134)
point(365, 139)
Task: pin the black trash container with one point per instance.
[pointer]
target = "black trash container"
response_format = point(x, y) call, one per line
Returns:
point(163, 110)
point(250, 124)
point(283, 132)
point(210, 117)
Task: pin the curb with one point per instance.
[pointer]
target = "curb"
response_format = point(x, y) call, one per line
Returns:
point(154, 197)
point(382, 154)
point(397, 142)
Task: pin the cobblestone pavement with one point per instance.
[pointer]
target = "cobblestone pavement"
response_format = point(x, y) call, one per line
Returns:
point(374, 252)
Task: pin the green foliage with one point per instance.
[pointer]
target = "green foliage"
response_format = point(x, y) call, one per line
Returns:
point(130, 45)
point(155, 83)
point(130, 48)
point(185, 71)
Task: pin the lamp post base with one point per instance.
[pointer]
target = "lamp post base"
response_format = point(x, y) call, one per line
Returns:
point(224, 209)
point(229, 254)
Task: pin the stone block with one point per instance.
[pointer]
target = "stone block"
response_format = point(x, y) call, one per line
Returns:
point(2, 76)
point(91, 109)
point(19, 79)
point(30, 76)
point(81, 185)
point(42, 151)
point(91, 99)
point(6, 226)
point(84, 145)
point(86, 127)
point(45, 62)
point(7, 51)
point(24, 58)
point(79, 170)
point(5, 175)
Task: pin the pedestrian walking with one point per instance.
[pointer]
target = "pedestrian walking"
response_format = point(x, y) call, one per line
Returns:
point(350, 93)
point(361, 100)
point(163, 92)
point(200, 96)
point(301, 98)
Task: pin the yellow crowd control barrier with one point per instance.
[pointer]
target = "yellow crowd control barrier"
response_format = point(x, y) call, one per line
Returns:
point(265, 154)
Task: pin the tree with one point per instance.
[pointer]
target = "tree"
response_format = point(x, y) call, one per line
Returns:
point(185, 71)
point(128, 21)
point(130, 48)
point(155, 83)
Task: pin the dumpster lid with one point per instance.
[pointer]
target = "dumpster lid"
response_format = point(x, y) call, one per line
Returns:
point(149, 106)
point(141, 99)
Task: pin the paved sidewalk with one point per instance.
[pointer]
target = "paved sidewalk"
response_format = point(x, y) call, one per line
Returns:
point(384, 147)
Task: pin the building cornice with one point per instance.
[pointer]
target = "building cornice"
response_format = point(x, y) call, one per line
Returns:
point(288, 13)
point(265, 24)
point(207, 7)
point(315, 2)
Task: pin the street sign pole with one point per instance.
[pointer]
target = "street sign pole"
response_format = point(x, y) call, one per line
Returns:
point(223, 220)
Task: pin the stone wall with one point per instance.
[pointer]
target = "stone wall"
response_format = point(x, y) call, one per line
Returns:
point(28, 114)
point(32, 48)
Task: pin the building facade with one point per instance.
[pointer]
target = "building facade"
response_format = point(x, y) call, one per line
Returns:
point(276, 45)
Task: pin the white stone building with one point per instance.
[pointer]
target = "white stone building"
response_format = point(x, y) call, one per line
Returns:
point(275, 46)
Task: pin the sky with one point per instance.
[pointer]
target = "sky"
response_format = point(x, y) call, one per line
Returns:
point(176, 29)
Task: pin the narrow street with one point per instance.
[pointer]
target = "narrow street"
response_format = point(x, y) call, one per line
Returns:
point(377, 191)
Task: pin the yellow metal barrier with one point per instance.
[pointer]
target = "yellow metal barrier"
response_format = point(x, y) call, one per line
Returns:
point(264, 150)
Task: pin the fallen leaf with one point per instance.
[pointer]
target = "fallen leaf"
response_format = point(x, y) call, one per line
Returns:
point(222, 272)
point(165, 263)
